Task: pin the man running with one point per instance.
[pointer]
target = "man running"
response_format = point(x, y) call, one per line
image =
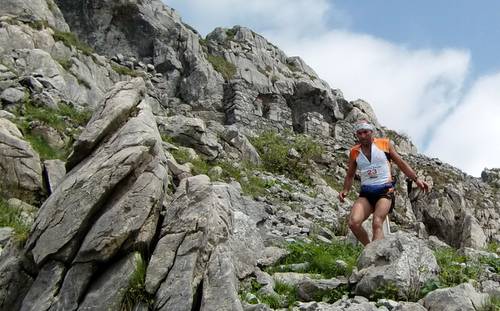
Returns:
point(372, 157)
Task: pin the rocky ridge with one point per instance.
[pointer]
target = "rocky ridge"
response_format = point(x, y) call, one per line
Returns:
point(128, 218)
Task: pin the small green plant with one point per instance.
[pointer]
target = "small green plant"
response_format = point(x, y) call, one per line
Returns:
point(493, 247)
point(39, 24)
point(292, 67)
point(273, 148)
point(492, 304)
point(60, 119)
point(79, 116)
point(307, 147)
point(44, 150)
point(220, 64)
point(321, 257)
point(69, 39)
point(167, 139)
point(119, 69)
point(386, 291)
point(136, 291)
point(181, 155)
point(330, 296)
point(455, 268)
point(255, 186)
point(10, 217)
point(66, 63)
point(231, 33)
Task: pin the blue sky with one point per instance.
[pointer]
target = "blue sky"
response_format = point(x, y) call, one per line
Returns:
point(465, 24)
point(429, 69)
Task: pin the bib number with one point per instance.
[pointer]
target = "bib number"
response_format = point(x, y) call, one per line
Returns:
point(372, 173)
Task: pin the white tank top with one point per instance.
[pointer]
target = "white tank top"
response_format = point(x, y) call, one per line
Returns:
point(378, 170)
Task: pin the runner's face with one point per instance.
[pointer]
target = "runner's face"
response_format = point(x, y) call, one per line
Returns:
point(364, 136)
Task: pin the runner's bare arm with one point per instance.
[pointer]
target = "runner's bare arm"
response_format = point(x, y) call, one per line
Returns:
point(351, 170)
point(403, 165)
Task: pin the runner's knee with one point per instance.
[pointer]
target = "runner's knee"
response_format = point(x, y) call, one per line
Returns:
point(377, 222)
point(354, 223)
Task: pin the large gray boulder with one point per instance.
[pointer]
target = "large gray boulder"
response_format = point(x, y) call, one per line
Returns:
point(162, 39)
point(106, 206)
point(54, 173)
point(234, 137)
point(463, 297)
point(35, 10)
point(21, 171)
point(399, 260)
point(15, 277)
point(191, 132)
point(207, 242)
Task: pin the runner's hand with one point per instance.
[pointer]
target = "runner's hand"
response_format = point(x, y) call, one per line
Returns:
point(422, 185)
point(342, 196)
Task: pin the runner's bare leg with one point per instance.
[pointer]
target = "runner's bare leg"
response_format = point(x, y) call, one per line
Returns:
point(361, 210)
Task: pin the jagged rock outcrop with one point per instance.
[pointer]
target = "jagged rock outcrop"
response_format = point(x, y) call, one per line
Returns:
point(207, 243)
point(460, 210)
point(20, 169)
point(35, 11)
point(398, 260)
point(126, 205)
point(462, 297)
point(108, 204)
point(154, 34)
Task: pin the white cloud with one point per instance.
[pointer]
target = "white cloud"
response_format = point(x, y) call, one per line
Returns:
point(469, 138)
point(297, 17)
point(408, 89)
point(411, 90)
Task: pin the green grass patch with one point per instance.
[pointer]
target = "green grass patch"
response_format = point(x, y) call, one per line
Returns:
point(61, 119)
point(39, 24)
point(455, 268)
point(493, 247)
point(321, 257)
point(250, 184)
point(79, 116)
point(69, 39)
point(44, 150)
point(492, 304)
point(285, 296)
point(273, 148)
point(388, 291)
point(292, 67)
point(136, 291)
point(123, 70)
point(220, 64)
point(65, 63)
point(231, 33)
point(12, 218)
point(54, 118)
point(181, 155)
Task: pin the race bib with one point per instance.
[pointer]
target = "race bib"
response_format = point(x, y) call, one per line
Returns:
point(372, 173)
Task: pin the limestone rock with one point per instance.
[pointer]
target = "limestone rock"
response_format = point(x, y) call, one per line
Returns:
point(12, 96)
point(191, 132)
point(54, 172)
point(400, 260)
point(462, 297)
point(20, 172)
point(36, 10)
point(202, 211)
point(109, 289)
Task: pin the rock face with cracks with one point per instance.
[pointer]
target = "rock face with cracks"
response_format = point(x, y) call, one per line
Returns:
point(123, 225)
point(105, 207)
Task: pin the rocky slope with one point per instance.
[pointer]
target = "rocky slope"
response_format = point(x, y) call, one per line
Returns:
point(145, 167)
